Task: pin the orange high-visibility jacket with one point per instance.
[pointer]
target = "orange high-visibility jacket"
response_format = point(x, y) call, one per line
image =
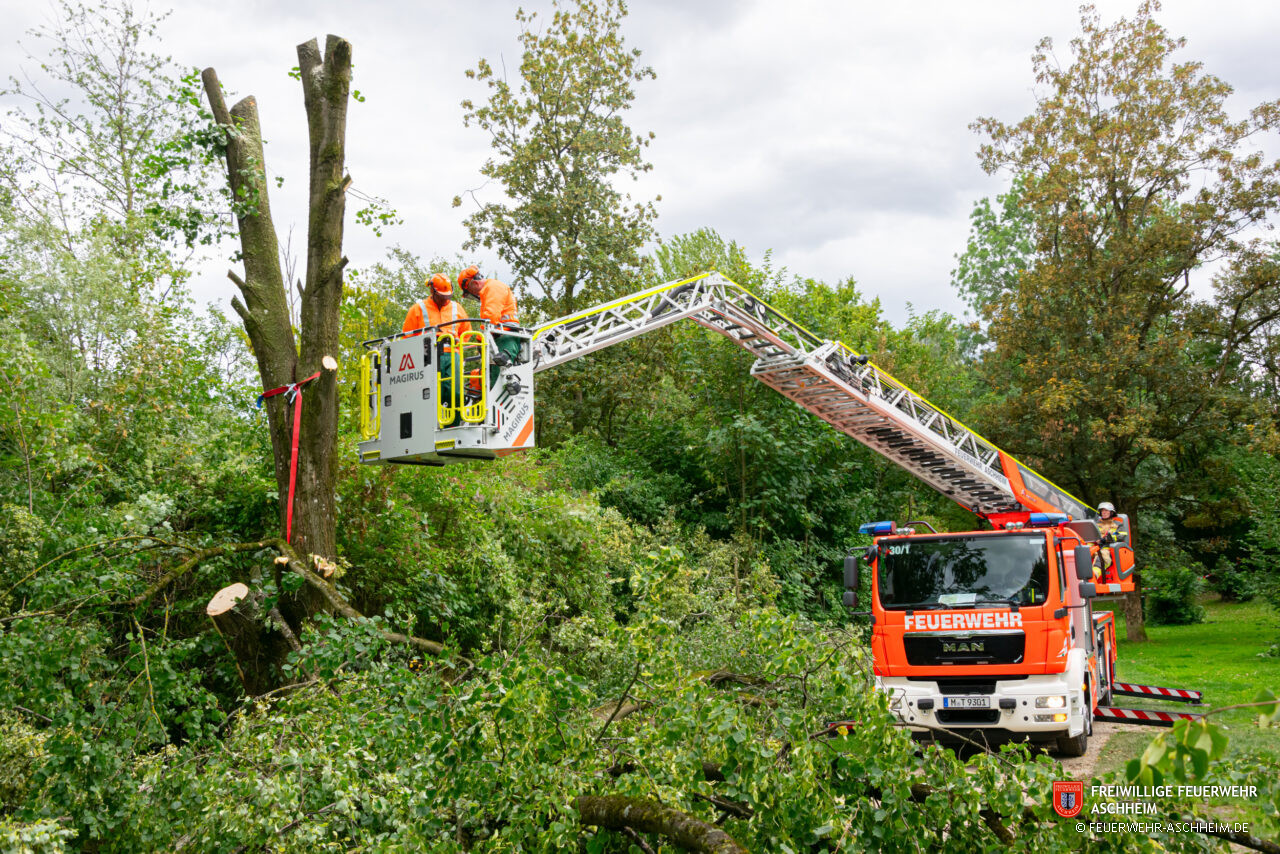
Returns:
point(497, 305)
point(424, 313)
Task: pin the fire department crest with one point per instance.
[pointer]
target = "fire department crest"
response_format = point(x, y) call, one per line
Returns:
point(1068, 798)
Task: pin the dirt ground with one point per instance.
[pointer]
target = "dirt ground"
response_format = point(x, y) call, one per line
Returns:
point(1082, 767)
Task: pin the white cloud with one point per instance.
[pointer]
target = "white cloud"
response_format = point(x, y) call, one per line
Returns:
point(835, 134)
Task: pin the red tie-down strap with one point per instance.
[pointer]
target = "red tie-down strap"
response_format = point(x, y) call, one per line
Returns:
point(293, 392)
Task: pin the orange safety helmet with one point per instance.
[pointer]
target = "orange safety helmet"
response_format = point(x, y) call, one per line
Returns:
point(441, 285)
point(472, 272)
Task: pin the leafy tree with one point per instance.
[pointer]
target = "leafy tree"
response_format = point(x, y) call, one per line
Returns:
point(999, 250)
point(561, 144)
point(1113, 372)
point(99, 146)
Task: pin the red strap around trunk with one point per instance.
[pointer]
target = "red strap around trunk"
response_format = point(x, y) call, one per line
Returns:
point(294, 390)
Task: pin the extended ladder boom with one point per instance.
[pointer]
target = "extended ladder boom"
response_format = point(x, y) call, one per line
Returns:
point(825, 377)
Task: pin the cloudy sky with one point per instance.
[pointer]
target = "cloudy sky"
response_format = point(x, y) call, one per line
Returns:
point(833, 133)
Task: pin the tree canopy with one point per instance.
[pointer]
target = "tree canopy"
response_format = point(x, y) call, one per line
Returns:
point(561, 143)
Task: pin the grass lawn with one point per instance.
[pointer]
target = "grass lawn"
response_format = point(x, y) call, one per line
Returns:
point(1218, 657)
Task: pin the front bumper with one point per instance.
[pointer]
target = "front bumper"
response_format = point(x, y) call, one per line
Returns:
point(1019, 716)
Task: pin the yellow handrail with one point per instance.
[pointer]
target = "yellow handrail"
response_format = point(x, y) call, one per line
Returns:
point(371, 397)
point(474, 413)
point(447, 408)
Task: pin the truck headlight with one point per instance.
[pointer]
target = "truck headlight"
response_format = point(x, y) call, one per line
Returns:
point(1057, 701)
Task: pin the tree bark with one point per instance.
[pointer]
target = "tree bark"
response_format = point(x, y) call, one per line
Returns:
point(234, 612)
point(264, 308)
point(1135, 624)
point(326, 84)
point(616, 812)
point(263, 304)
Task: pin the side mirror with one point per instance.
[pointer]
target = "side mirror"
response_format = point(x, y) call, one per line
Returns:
point(1088, 590)
point(1084, 563)
point(850, 581)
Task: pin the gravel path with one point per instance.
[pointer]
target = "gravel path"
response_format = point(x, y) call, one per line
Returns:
point(1082, 767)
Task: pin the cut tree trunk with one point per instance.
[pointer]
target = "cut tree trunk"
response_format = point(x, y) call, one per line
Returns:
point(263, 306)
point(234, 611)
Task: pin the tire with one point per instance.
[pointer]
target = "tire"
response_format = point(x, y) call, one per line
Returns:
point(1073, 745)
point(1077, 745)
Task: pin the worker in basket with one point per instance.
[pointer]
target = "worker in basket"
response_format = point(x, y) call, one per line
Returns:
point(498, 306)
point(440, 308)
point(1112, 532)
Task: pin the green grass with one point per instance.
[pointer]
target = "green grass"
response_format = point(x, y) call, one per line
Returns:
point(1218, 657)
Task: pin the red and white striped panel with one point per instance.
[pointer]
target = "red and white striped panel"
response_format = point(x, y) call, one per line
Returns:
point(1180, 694)
point(1141, 716)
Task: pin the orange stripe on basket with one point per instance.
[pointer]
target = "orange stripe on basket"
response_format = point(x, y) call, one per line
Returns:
point(524, 434)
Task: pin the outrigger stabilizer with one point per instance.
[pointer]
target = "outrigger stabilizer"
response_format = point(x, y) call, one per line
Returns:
point(1149, 717)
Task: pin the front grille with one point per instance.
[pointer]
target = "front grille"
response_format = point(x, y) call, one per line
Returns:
point(956, 686)
point(964, 684)
point(968, 716)
point(964, 648)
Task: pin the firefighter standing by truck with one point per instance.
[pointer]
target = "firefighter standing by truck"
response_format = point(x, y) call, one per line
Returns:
point(498, 306)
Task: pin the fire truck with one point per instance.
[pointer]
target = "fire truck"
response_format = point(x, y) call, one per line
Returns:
point(989, 634)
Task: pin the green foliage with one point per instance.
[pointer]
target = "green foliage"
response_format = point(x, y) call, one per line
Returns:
point(1112, 375)
point(1173, 585)
point(497, 758)
point(1195, 752)
point(1000, 249)
point(1234, 584)
point(561, 143)
point(101, 142)
point(21, 752)
point(38, 837)
point(1182, 754)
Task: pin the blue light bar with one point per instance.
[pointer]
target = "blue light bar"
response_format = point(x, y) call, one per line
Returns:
point(879, 529)
point(1045, 520)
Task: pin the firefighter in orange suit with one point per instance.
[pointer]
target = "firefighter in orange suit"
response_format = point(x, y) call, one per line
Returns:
point(498, 306)
point(437, 309)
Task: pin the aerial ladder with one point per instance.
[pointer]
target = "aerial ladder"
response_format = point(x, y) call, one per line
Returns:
point(412, 413)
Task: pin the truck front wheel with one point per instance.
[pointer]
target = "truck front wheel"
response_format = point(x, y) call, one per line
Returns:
point(1073, 745)
point(1077, 745)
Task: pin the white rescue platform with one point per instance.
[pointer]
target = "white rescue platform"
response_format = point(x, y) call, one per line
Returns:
point(435, 396)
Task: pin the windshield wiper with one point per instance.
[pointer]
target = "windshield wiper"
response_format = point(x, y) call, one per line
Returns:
point(1010, 600)
point(920, 606)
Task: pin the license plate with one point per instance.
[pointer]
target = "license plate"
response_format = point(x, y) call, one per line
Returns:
point(966, 702)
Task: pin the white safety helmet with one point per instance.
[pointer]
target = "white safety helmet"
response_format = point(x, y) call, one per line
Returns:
point(1106, 505)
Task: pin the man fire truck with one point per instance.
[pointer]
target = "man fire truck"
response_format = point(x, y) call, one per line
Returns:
point(988, 633)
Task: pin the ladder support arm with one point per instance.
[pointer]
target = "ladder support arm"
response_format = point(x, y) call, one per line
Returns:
point(829, 379)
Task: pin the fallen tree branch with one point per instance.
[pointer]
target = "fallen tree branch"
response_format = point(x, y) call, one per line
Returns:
point(721, 676)
point(297, 566)
point(192, 562)
point(616, 812)
point(728, 807)
point(101, 544)
point(621, 700)
point(27, 711)
point(637, 840)
point(343, 607)
point(1245, 840)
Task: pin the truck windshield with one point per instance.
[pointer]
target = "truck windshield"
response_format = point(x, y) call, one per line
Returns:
point(959, 572)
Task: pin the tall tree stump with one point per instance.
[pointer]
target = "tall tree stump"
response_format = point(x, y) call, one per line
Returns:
point(258, 651)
